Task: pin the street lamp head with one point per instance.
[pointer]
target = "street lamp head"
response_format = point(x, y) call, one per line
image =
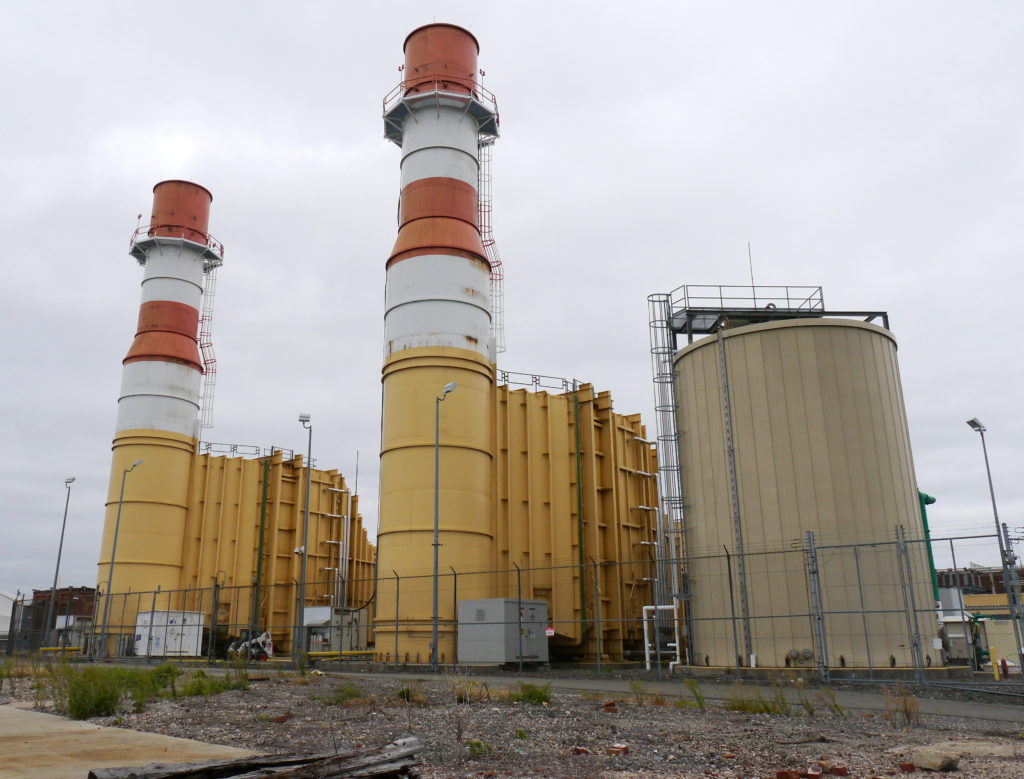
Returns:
point(304, 419)
point(68, 480)
point(134, 465)
point(449, 387)
point(976, 425)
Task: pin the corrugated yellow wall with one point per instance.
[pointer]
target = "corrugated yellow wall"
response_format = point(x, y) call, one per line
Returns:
point(222, 532)
point(544, 511)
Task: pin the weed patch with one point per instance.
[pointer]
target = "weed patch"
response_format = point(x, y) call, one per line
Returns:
point(411, 695)
point(536, 694)
point(344, 694)
point(698, 695)
point(91, 691)
point(478, 748)
point(901, 705)
point(201, 683)
point(756, 703)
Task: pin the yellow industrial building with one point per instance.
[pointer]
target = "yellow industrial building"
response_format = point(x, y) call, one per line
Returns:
point(573, 495)
point(241, 521)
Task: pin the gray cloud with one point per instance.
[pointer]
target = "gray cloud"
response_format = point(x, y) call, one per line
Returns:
point(873, 149)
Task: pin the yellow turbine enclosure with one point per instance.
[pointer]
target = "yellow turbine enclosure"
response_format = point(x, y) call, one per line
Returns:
point(413, 380)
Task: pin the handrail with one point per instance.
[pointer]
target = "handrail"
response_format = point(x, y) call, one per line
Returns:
point(725, 296)
point(212, 243)
point(399, 92)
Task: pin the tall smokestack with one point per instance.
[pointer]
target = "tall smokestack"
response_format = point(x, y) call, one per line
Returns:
point(158, 410)
point(437, 325)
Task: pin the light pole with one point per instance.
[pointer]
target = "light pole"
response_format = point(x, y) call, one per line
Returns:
point(437, 471)
point(113, 556)
point(1006, 557)
point(300, 641)
point(60, 549)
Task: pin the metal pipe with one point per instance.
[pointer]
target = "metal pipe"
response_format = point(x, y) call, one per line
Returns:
point(437, 500)
point(255, 611)
point(732, 609)
point(113, 556)
point(927, 500)
point(60, 549)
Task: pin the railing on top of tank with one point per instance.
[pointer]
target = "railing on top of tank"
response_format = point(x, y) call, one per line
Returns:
point(440, 86)
point(145, 230)
point(247, 450)
point(537, 381)
point(736, 296)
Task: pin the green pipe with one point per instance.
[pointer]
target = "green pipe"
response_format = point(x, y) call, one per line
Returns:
point(259, 552)
point(927, 500)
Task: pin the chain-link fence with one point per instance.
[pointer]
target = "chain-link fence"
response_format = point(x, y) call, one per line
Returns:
point(948, 609)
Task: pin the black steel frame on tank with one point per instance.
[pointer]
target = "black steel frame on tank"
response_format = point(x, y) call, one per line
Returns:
point(704, 309)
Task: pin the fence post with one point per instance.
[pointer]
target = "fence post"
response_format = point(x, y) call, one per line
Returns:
point(519, 615)
point(907, 585)
point(211, 643)
point(1013, 594)
point(969, 647)
point(817, 617)
point(597, 615)
point(398, 584)
point(92, 628)
point(455, 616)
point(120, 626)
point(863, 612)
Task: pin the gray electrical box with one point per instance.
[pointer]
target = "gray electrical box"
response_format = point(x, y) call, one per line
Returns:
point(496, 630)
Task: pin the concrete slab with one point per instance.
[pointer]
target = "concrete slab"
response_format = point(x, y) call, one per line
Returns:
point(969, 748)
point(35, 745)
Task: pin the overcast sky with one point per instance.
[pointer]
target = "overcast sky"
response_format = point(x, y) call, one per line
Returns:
point(874, 148)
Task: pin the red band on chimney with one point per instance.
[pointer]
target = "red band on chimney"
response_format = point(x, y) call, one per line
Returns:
point(181, 209)
point(439, 197)
point(438, 235)
point(167, 333)
point(441, 54)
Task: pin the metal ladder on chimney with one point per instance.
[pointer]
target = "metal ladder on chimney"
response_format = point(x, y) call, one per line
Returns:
point(485, 147)
point(206, 348)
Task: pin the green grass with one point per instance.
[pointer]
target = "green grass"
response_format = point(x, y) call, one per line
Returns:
point(81, 692)
point(776, 704)
point(536, 694)
point(201, 683)
point(478, 748)
point(342, 695)
point(697, 693)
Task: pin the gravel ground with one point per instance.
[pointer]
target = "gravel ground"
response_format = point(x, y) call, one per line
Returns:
point(568, 737)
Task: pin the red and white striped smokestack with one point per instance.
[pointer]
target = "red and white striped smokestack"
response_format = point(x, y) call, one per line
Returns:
point(437, 117)
point(163, 368)
point(158, 410)
point(437, 337)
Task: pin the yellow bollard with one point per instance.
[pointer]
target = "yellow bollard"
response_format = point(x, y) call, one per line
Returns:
point(995, 662)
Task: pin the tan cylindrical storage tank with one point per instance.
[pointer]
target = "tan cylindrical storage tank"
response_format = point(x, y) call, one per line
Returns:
point(819, 443)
